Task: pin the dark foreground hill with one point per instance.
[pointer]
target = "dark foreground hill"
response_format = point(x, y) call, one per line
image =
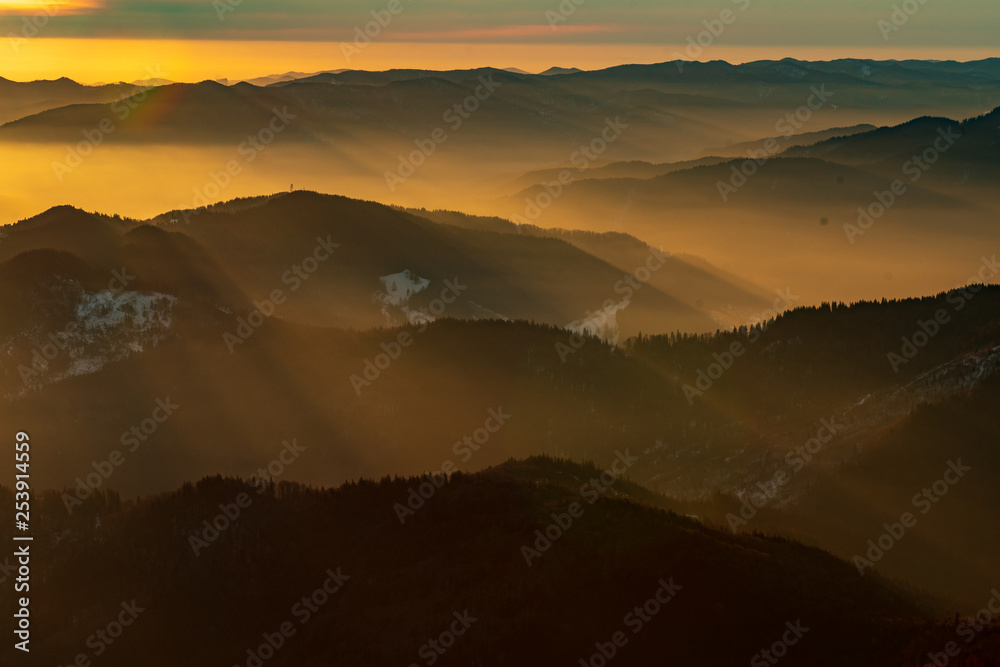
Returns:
point(353, 585)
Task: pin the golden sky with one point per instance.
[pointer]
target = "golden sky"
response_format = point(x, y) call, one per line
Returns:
point(190, 40)
point(29, 7)
point(109, 60)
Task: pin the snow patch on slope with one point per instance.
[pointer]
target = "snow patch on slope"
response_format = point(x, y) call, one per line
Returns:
point(142, 312)
point(602, 324)
point(399, 289)
point(108, 326)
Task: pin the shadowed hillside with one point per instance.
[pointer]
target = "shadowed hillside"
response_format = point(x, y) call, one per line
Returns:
point(458, 556)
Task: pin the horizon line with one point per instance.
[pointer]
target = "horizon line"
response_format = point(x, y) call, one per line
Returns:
point(123, 59)
point(509, 70)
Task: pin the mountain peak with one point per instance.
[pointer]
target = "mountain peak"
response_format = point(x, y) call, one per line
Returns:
point(560, 70)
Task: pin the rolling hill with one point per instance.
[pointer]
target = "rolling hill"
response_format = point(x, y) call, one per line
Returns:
point(108, 320)
point(335, 568)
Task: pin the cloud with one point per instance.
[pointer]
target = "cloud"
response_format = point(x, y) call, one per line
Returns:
point(650, 22)
point(501, 33)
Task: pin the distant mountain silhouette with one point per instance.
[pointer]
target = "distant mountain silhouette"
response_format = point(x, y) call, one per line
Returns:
point(756, 147)
point(970, 147)
point(560, 70)
point(693, 104)
point(18, 100)
point(832, 200)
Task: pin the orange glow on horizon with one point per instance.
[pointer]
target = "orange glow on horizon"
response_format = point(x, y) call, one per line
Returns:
point(49, 7)
point(108, 60)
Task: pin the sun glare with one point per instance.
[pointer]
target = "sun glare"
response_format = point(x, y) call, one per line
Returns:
point(48, 8)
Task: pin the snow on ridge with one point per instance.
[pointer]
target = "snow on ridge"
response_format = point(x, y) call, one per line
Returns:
point(110, 310)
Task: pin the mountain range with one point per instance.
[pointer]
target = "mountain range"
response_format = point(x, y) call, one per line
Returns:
point(347, 323)
point(658, 152)
point(687, 361)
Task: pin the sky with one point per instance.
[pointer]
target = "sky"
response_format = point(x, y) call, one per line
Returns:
point(191, 40)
